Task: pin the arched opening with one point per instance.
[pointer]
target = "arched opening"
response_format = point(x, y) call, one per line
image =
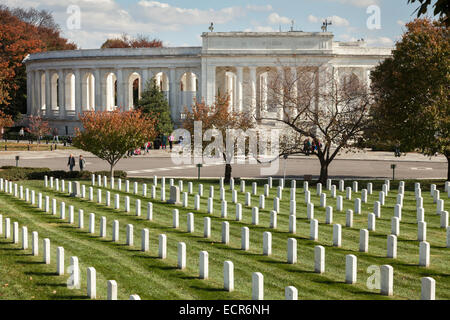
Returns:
point(54, 91)
point(111, 91)
point(88, 88)
point(162, 82)
point(188, 90)
point(134, 89)
point(70, 92)
point(43, 93)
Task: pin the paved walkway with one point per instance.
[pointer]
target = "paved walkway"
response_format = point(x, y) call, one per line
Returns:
point(359, 155)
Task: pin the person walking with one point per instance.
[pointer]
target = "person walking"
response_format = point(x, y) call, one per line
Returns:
point(164, 141)
point(71, 162)
point(55, 135)
point(82, 163)
point(171, 138)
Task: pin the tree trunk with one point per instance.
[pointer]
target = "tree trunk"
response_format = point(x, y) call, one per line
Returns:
point(227, 172)
point(448, 167)
point(111, 172)
point(323, 173)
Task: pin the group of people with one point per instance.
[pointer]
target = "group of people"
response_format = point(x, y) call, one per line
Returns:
point(160, 141)
point(81, 162)
point(310, 147)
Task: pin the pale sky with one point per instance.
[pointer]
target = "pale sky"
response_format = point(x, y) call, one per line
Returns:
point(181, 22)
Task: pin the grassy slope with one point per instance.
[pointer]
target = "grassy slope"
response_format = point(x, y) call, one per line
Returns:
point(152, 278)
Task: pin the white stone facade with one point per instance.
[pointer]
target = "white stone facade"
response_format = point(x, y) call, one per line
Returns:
point(62, 84)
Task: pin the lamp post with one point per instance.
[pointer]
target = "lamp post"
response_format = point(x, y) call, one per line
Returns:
point(393, 166)
point(199, 165)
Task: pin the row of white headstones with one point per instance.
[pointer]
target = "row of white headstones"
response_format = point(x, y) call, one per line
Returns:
point(392, 239)
point(319, 267)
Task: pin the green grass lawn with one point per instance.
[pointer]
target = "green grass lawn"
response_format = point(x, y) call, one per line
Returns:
point(23, 276)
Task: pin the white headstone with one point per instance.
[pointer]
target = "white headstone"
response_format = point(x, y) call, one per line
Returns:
point(91, 283)
point(351, 269)
point(223, 209)
point(348, 193)
point(398, 212)
point(291, 293)
point(102, 227)
point(314, 230)
point(207, 227)
point(257, 286)
point(91, 223)
point(386, 280)
point(382, 197)
point(355, 186)
point(424, 254)
point(245, 238)
point(333, 191)
point(242, 186)
point(337, 235)
point(339, 203)
point(80, 219)
point(369, 188)
point(255, 216)
point(307, 196)
point(392, 246)
point(262, 201)
point(319, 259)
point(349, 218)
point(422, 231)
point(162, 249)
point(292, 223)
point(185, 200)
point(24, 238)
point(211, 192)
point(364, 195)
point(428, 291)
point(234, 196)
point(228, 276)
point(149, 211)
point(130, 235)
point(196, 202)
point(200, 190)
point(323, 200)
point(358, 206)
point(112, 290)
point(364, 240)
point(319, 189)
point(75, 272)
point(60, 261)
point(273, 219)
point(115, 232)
point(190, 222)
point(248, 199)
point(310, 211)
point(254, 188)
point(329, 215)
point(238, 212)
point(266, 190)
point(276, 204)
point(46, 247)
point(371, 222)
point(444, 219)
point(203, 265)
point(225, 232)
point(181, 255)
point(267, 243)
point(145, 239)
point(377, 209)
point(395, 226)
point(34, 243)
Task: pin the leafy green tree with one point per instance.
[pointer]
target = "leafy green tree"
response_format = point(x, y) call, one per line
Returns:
point(154, 101)
point(411, 91)
point(441, 8)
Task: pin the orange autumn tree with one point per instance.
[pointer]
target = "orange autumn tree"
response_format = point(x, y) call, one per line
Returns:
point(217, 116)
point(5, 121)
point(111, 134)
point(38, 127)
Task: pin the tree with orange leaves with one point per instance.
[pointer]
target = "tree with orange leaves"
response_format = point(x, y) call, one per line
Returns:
point(218, 116)
point(5, 121)
point(125, 41)
point(38, 127)
point(110, 135)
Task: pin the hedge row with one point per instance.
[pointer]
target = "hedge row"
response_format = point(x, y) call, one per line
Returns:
point(23, 173)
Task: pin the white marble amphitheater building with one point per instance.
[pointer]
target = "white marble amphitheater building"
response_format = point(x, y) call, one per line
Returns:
point(62, 84)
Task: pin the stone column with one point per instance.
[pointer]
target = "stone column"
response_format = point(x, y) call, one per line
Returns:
point(37, 93)
point(120, 89)
point(144, 79)
point(173, 90)
point(294, 90)
point(210, 95)
point(77, 93)
point(280, 111)
point(61, 93)
point(253, 90)
point(48, 95)
point(99, 104)
point(239, 93)
point(30, 75)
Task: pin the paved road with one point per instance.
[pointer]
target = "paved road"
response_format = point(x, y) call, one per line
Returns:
point(362, 166)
